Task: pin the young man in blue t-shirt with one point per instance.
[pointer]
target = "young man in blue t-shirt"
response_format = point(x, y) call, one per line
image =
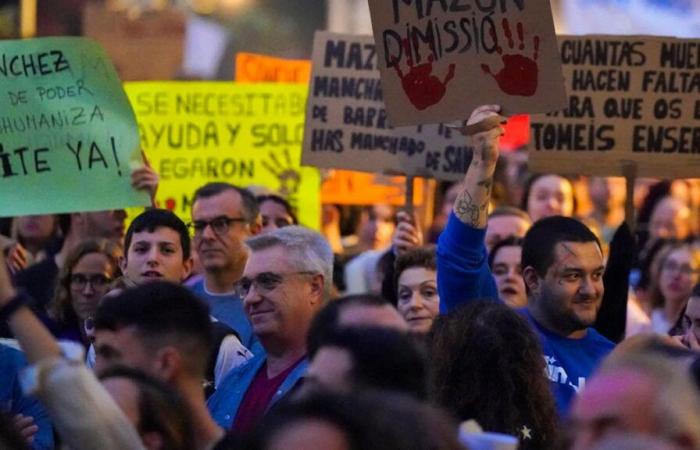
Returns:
point(562, 265)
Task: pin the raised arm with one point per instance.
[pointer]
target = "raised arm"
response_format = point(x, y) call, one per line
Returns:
point(463, 272)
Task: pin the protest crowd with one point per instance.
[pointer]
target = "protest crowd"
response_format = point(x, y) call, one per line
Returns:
point(530, 310)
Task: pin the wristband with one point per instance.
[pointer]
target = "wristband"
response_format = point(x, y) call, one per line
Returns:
point(13, 305)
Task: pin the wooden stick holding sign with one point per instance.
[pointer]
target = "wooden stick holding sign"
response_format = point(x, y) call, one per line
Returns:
point(629, 170)
point(408, 205)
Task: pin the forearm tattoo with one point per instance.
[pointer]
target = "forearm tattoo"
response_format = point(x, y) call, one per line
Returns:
point(474, 212)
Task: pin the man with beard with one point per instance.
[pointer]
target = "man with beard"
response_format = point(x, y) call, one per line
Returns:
point(562, 266)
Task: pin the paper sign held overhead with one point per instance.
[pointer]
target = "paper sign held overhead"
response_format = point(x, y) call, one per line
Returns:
point(245, 134)
point(441, 59)
point(68, 139)
point(632, 100)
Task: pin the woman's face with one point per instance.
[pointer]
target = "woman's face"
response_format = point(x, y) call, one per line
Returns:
point(36, 228)
point(679, 272)
point(509, 277)
point(550, 195)
point(418, 300)
point(274, 216)
point(89, 282)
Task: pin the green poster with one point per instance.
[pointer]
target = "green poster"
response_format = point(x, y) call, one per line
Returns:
point(68, 137)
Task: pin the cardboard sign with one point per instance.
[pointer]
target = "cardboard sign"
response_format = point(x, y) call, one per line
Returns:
point(148, 47)
point(68, 139)
point(250, 134)
point(441, 59)
point(347, 125)
point(254, 68)
point(631, 100)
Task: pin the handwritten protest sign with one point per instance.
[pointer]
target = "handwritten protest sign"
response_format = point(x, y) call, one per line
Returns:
point(245, 134)
point(631, 99)
point(439, 59)
point(347, 126)
point(68, 139)
point(252, 67)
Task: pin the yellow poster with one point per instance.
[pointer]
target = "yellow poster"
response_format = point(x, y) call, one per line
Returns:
point(244, 134)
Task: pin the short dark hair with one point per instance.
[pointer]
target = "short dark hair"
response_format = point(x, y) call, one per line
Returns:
point(510, 241)
point(326, 320)
point(545, 234)
point(154, 218)
point(280, 201)
point(416, 257)
point(162, 311)
point(161, 409)
point(505, 210)
point(382, 358)
point(249, 205)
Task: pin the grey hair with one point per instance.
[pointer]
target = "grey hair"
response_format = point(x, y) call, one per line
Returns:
point(305, 249)
point(676, 406)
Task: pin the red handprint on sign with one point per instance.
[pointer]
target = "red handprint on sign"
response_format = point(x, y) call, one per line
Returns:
point(519, 73)
point(420, 85)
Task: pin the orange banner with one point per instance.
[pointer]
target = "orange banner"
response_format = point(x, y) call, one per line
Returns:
point(347, 187)
point(253, 68)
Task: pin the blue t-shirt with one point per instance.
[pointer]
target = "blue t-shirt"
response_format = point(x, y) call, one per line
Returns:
point(228, 309)
point(464, 275)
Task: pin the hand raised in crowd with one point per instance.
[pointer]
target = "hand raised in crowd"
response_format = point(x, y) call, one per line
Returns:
point(407, 234)
point(145, 179)
point(16, 258)
point(483, 128)
point(26, 427)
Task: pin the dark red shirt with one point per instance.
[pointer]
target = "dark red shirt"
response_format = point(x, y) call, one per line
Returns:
point(258, 397)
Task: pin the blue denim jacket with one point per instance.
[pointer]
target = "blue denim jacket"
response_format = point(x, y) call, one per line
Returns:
point(224, 403)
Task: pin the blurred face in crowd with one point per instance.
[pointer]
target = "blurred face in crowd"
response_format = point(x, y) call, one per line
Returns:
point(124, 346)
point(670, 220)
point(569, 295)
point(105, 224)
point(678, 274)
point(418, 299)
point(36, 230)
point(550, 195)
point(504, 226)
point(223, 249)
point(615, 402)
point(376, 227)
point(279, 298)
point(309, 433)
point(156, 256)
point(330, 369)
point(691, 339)
point(274, 216)
point(509, 276)
point(608, 193)
point(89, 282)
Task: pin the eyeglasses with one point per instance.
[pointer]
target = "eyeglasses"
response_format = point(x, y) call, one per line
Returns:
point(672, 266)
point(220, 224)
point(79, 280)
point(264, 282)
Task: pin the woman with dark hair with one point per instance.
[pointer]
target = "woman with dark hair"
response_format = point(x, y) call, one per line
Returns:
point(504, 261)
point(83, 280)
point(416, 288)
point(548, 195)
point(487, 365)
point(276, 212)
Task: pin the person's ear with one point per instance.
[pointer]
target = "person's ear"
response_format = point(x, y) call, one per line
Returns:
point(532, 280)
point(256, 227)
point(187, 268)
point(168, 363)
point(123, 263)
point(317, 286)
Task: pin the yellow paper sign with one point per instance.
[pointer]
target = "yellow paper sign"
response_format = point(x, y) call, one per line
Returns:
point(245, 134)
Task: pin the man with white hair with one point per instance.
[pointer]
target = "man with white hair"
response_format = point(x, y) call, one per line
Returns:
point(638, 394)
point(286, 280)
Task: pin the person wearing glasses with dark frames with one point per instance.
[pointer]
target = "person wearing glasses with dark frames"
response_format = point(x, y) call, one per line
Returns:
point(223, 217)
point(286, 280)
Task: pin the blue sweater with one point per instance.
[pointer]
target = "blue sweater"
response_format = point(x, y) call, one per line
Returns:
point(14, 401)
point(464, 275)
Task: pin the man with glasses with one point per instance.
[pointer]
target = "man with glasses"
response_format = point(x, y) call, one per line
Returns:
point(223, 217)
point(286, 280)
